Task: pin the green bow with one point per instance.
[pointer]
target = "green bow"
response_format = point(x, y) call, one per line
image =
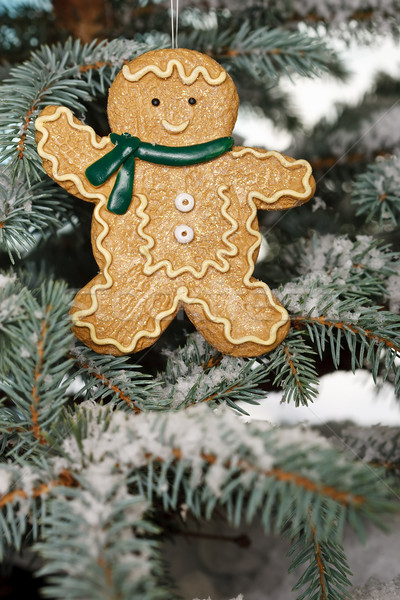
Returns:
point(127, 147)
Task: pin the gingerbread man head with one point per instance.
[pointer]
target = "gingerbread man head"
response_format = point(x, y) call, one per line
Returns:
point(173, 97)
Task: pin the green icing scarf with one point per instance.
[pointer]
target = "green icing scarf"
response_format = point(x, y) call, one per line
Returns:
point(127, 147)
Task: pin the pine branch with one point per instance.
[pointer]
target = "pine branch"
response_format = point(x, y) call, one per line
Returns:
point(326, 575)
point(336, 17)
point(369, 16)
point(36, 367)
point(266, 54)
point(113, 379)
point(56, 75)
point(293, 368)
point(27, 212)
point(379, 445)
point(12, 311)
point(245, 486)
point(24, 491)
point(106, 462)
point(331, 302)
point(334, 268)
point(363, 341)
point(376, 193)
point(92, 547)
point(194, 375)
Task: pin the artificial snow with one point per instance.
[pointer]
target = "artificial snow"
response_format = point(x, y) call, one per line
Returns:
point(393, 291)
point(326, 266)
point(197, 382)
point(378, 590)
point(6, 279)
point(5, 480)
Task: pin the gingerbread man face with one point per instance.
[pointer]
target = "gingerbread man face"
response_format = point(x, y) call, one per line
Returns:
point(175, 219)
point(163, 100)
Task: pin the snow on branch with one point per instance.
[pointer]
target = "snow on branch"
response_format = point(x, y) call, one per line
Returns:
point(376, 192)
point(196, 374)
point(92, 495)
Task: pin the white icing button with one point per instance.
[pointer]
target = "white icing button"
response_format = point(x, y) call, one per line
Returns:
point(184, 202)
point(183, 234)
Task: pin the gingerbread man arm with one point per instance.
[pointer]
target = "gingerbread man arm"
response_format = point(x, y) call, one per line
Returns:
point(274, 181)
point(67, 148)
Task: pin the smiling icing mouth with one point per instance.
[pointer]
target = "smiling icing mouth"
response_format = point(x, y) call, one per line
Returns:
point(175, 128)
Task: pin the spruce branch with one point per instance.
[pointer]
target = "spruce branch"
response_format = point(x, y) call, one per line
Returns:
point(331, 302)
point(12, 312)
point(194, 374)
point(376, 192)
point(93, 493)
point(92, 547)
point(112, 379)
point(29, 211)
point(379, 445)
point(55, 75)
point(293, 367)
point(36, 366)
point(326, 575)
point(266, 54)
point(364, 342)
point(346, 268)
point(336, 17)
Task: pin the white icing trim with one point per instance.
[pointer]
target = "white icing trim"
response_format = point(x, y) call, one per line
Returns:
point(182, 292)
point(76, 316)
point(150, 268)
point(40, 126)
point(260, 284)
point(285, 163)
point(143, 333)
point(175, 128)
point(186, 79)
point(182, 295)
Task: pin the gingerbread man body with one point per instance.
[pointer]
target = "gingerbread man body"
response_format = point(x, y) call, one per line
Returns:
point(189, 238)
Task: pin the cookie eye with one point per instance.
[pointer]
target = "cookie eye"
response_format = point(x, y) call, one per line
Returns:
point(155, 102)
point(192, 101)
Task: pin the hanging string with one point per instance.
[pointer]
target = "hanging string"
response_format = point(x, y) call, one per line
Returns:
point(174, 23)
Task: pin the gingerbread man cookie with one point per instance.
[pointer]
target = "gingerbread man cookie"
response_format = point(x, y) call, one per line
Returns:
point(175, 218)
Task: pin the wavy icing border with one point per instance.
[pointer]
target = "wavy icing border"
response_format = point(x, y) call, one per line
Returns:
point(150, 268)
point(285, 163)
point(186, 79)
point(182, 292)
point(39, 126)
point(182, 295)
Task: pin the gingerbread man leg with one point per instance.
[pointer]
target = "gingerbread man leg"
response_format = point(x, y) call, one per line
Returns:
point(242, 320)
point(125, 315)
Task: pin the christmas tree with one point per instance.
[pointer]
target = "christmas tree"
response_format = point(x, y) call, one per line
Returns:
point(107, 460)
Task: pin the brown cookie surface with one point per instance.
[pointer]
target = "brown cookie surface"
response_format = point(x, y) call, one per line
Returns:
point(189, 238)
